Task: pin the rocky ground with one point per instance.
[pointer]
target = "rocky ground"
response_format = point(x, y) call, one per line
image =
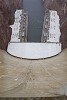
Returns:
point(33, 98)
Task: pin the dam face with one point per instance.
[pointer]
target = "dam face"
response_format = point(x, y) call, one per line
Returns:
point(18, 47)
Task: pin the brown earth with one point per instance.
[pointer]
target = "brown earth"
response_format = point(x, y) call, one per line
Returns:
point(33, 78)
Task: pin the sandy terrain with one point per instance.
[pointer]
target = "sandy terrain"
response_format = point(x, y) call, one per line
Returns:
point(33, 78)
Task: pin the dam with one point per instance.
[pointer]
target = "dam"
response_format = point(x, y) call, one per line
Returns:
point(49, 47)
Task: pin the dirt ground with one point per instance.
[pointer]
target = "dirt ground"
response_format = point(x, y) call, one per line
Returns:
point(33, 78)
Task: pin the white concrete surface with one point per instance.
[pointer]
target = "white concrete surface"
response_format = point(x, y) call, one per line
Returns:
point(16, 26)
point(19, 27)
point(18, 15)
point(34, 50)
point(54, 30)
point(15, 32)
point(51, 27)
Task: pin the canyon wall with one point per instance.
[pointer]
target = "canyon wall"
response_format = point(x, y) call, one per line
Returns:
point(61, 7)
point(7, 10)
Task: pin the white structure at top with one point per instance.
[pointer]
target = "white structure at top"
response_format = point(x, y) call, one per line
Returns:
point(18, 14)
point(54, 30)
point(51, 27)
point(19, 28)
point(16, 27)
point(15, 32)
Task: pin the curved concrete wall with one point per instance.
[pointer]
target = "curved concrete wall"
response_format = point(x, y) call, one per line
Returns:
point(34, 50)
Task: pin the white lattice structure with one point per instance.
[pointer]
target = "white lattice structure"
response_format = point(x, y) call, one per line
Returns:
point(15, 32)
point(18, 14)
point(54, 29)
point(51, 27)
point(16, 27)
point(19, 28)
